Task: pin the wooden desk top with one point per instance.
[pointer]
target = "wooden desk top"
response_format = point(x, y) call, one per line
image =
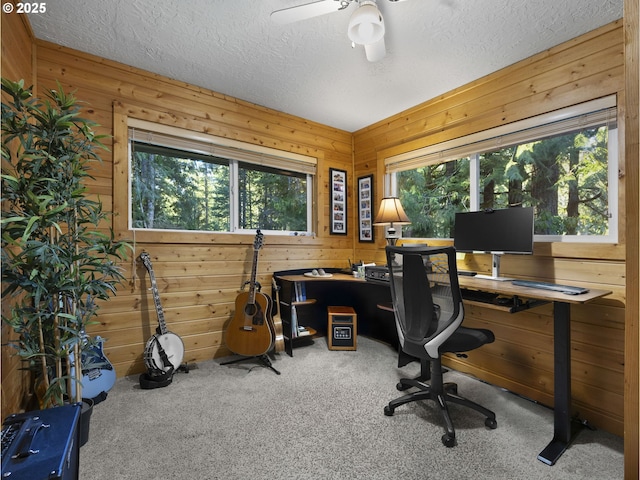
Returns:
point(483, 284)
point(335, 276)
point(509, 289)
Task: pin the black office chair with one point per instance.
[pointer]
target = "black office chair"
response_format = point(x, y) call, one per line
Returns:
point(428, 310)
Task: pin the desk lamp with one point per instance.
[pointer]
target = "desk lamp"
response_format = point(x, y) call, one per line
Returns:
point(390, 213)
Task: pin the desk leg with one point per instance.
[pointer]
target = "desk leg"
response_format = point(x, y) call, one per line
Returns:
point(561, 384)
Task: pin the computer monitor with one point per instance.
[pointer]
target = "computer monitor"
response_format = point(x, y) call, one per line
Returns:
point(497, 232)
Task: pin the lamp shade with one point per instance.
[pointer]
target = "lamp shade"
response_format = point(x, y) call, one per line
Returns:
point(391, 212)
point(366, 25)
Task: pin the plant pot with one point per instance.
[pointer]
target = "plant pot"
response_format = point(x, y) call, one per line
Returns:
point(85, 419)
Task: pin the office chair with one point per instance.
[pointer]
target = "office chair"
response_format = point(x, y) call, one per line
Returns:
point(428, 309)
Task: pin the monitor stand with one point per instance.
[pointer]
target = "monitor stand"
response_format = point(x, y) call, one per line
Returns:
point(495, 269)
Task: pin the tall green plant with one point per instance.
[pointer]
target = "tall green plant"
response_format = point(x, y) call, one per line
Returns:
point(56, 260)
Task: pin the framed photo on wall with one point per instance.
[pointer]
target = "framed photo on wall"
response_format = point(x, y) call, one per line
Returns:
point(365, 208)
point(338, 213)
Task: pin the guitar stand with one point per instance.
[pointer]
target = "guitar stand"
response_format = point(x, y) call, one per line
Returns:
point(264, 359)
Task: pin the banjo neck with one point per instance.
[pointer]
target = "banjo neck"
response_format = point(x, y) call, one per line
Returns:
point(162, 326)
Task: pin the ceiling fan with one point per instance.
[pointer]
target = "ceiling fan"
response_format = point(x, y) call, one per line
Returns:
point(366, 26)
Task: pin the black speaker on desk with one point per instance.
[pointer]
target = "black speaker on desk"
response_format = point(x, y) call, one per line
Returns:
point(42, 444)
point(342, 328)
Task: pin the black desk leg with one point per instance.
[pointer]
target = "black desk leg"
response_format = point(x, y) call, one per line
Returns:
point(561, 384)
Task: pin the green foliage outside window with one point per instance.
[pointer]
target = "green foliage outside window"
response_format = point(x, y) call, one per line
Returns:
point(272, 200)
point(431, 196)
point(179, 190)
point(171, 190)
point(565, 177)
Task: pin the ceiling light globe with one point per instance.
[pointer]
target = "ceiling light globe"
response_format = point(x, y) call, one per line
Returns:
point(366, 25)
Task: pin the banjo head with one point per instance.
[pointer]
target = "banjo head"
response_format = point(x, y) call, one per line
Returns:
point(173, 348)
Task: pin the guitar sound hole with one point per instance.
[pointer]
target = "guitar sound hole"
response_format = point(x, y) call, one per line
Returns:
point(254, 311)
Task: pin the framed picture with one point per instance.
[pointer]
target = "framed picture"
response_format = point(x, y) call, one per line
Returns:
point(338, 214)
point(365, 208)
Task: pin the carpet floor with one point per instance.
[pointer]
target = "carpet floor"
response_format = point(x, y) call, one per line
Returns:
point(322, 418)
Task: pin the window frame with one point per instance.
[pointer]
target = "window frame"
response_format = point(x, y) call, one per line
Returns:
point(244, 152)
point(582, 115)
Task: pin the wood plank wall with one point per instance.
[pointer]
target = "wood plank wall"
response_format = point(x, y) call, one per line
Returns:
point(199, 275)
point(521, 359)
point(17, 62)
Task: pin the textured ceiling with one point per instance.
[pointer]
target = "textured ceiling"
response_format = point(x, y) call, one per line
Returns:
point(309, 68)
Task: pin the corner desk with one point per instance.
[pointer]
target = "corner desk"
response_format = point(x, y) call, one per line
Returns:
point(349, 291)
point(338, 290)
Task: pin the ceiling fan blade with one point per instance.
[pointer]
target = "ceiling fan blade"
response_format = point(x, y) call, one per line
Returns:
point(302, 12)
point(375, 51)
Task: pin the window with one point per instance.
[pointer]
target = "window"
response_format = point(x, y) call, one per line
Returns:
point(180, 180)
point(563, 164)
point(178, 190)
point(271, 199)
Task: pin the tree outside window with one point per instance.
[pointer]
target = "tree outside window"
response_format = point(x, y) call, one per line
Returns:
point(181, 190)
point(564, 177)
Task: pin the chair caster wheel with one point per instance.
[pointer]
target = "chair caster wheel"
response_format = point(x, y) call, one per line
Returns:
point(491, 423)
point(388, 411)
point(401, 386)
point(448, 441)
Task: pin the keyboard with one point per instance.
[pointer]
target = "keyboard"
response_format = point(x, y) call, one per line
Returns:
point(467, 273)
point(478, 296)
point(568, 289)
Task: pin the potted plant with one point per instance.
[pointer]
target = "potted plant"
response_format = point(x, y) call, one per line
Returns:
point(58, 254)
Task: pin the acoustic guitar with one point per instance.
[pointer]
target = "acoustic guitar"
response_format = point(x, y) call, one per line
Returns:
point(278, 330)
point(250, 332)
point(164, 351)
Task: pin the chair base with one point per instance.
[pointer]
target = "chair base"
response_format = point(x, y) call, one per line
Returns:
point(442, 393)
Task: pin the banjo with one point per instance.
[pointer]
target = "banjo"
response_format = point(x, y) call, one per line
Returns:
point(164, 350)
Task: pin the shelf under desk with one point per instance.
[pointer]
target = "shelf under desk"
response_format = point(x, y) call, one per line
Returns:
point(340, 288)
